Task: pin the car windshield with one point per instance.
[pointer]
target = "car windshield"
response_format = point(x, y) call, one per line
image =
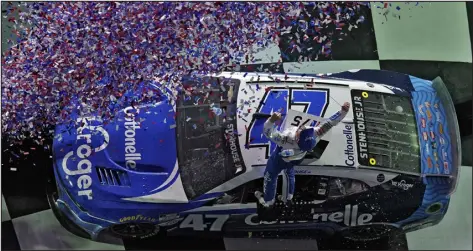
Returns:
point(208, 149)
point(386, 131)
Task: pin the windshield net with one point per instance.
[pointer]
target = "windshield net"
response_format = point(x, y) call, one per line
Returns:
point(386, 131)
point(208, 149)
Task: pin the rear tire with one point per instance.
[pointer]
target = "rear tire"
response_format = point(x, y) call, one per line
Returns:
point(368, 232)
point(134, 230)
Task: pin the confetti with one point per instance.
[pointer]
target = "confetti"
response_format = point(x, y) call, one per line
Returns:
point(317, 27)
point(387, 8)
point(95, 58)
point(71, 54)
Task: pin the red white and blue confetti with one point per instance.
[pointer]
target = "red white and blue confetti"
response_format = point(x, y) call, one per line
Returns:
point(84, 56)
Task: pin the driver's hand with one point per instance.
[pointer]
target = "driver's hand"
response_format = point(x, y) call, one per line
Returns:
point(275, 117)
point(346, 106)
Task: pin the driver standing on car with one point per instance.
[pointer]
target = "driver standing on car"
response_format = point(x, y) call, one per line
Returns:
point(292, 145)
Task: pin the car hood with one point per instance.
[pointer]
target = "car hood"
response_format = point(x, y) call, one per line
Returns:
point(107, 161)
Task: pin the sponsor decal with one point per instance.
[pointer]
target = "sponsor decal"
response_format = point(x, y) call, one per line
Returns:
point(138, 217)
point(438, 116)
point(200, 222)
point(445, 167)
point(429, 115)
point(393, 88)
point(423, 122)
point(427, 149)
point(154, 233)
point(425, 136)
point(84, 166)
point(436, 157)
point(168, 219)
point(349, 217)
point(360, 129)
point(349, 150)
point(427, 104)
point(434, 145)
point(402, 184)
point(432, 135)
point(230, 135)
point(170, 222)
point(131, 125)
point(440, 128)
point(429, 162)
point(442, 140)
point(436, 105)
point(302, 171)
point(419, 108)
point(444, 154)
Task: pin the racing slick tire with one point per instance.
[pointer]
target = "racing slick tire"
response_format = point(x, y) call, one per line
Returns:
point(134, 231)
point(368, 232)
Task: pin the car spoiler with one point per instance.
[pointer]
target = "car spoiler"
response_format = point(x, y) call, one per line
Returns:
point(452, 122)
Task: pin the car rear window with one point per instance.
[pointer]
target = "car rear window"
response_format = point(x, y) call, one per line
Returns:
point(386, 131)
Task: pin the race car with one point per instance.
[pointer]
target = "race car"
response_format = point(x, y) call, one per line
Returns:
point(192, 162)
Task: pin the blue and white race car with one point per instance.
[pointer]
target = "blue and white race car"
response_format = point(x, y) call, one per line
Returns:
point(191, 163)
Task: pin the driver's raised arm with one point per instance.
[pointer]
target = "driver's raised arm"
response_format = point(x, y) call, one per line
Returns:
point(272, 133)
point(326, 125)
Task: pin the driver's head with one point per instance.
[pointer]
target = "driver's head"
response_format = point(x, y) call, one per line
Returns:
point(306, 138)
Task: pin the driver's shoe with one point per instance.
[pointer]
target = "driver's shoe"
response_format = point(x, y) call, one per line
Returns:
point(260, 196)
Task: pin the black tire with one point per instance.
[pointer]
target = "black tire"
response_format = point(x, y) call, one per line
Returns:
point(134, 230)
point(368, 232)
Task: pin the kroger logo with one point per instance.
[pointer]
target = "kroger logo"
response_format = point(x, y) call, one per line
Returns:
point(84, 166)
point(402, 184)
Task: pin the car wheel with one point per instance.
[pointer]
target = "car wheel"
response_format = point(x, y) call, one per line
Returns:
point(368, 232)
point(134, 230)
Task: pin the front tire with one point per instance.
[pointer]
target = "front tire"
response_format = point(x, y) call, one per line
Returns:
point(134, 230)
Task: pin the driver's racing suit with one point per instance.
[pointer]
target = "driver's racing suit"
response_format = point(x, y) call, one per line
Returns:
point(287, 154)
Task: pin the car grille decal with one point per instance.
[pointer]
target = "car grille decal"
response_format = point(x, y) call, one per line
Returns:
point(112, 177)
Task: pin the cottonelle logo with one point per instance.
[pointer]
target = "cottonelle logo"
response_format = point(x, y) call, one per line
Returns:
point(131, 125)
point(349, 217)
point(349, 149)
point(84, 166)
